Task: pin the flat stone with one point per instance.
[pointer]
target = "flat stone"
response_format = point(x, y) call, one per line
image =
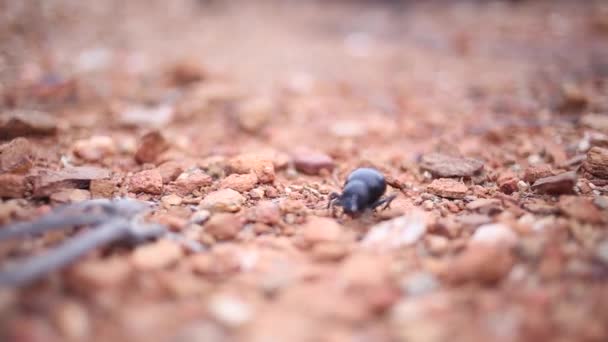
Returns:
point(18, 123)
point(47, 182)
point(442, 165)
point(312, 162)
point(556, 185)
point(447, 188)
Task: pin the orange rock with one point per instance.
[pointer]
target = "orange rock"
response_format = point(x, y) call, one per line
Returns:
point(102, 188)
point(16, 156)
point(147, 181)
point(190, 181)
point(262, 167)
point(100, 274)
point(534, 173)
point(267, 212)
point(223, 226)
point(238, 182)
point(319, 229)
point(480, 263)
point(150, 147)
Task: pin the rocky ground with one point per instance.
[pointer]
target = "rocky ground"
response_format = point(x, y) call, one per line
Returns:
point(236, 121)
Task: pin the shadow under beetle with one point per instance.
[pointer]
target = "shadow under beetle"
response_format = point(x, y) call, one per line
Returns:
point(363, 190)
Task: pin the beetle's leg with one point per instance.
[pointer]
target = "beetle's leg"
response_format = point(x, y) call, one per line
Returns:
point(332, 199)
point(386, 201)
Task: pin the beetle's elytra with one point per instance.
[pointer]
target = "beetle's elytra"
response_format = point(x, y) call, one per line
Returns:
point(363, 190)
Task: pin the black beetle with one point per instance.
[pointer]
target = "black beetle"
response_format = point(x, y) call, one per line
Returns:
point(363, 190)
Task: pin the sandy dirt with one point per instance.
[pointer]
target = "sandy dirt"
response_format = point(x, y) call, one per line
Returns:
point(236, 121)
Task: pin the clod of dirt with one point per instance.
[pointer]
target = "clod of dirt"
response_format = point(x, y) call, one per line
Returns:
point(140, 116)
point(556, 185)
point(156, 256)
point(102, 188)
point(171, 200)
point(534, 173)
point(508, 183)
point(12, 185)
point(329, 251)
point(230, 310)
point(147, 181)
point(186, 72)
point(596, 121)
point(487, 206)
point(447, 188)
point(18, 123)
point(254, 114)
point(70, 196)
point(312, 162)
point(94, 148)
point(317, 230)
point(262, 167)
point(442, 165)
point(223, 200)
point(495, 234)
point(238, 182)
point(581, 209)
point(266, 212)
point(100, 274)
point(400, 231)
point(47, 182)
point(480, 263)
point(150, 147)
point(170, 170)
point(223, 226)
point(597, 162)
point(190, 181)
point(16, 156)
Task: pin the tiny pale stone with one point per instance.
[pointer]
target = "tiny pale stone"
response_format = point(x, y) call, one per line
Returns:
point(230, 310)
point(171, 200)
point(95, 148)
point(223, 200)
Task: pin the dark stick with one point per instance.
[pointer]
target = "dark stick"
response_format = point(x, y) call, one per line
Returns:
point(36, 267)
point(48, 223)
